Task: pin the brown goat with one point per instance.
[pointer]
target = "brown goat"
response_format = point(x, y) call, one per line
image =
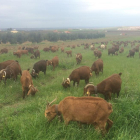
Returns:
point(37, 53)
point(97, 53)
point(85, 110)
point(111, 51)
point(54, 62)
point(39, 66)
point(131, 53)
point(46, 49)
point(121, 50)
point(32, 56)
point(78, 58)
point(54, 48)
point(108, 86)
point(81, 73)
point(4, 50)
point(24, 52)
point(62, 49)
point(69, 53)
point(27, 84)
point(11, 71)
point(97, 66)
point(4, 64)
point(18, 54)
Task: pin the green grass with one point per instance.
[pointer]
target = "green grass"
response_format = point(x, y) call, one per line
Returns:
point(24, 119)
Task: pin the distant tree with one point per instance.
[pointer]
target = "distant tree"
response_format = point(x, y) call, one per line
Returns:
point(39, 37)
point(74, 36)
point(31, 37)
point(53, 37)
point(9, 29)
point(9, 37)
point(81, 36)
point(63, 36)
point(20, 38)
point(4, 39)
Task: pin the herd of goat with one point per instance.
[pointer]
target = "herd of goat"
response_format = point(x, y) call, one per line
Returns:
point(86, 109)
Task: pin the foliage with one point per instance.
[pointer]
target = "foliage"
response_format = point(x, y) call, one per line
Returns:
point(9, 29)
point(39, 36)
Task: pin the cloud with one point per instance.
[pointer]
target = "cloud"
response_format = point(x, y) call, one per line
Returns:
point(109, 5)
point(65, 13)
point(132, 12)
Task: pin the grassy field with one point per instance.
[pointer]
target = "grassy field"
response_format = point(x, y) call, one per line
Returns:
point(24, 119)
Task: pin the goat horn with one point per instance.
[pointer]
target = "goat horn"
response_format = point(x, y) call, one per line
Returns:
point(4, 73)
point(89, 85)
point(52, 101)
point(68, 79)
point(1, 71)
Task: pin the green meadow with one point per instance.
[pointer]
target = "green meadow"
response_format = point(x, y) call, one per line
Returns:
point(24, 119)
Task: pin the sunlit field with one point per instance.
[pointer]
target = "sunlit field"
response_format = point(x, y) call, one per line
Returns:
point(24, 119)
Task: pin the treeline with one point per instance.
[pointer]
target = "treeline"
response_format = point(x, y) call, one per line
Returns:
point(39, 36)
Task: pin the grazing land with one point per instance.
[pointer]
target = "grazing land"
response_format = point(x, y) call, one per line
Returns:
point(24, 119)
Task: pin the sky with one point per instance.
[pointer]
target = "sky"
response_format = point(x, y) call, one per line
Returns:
point(69, 13)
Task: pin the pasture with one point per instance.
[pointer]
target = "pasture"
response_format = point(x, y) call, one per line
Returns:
point(25, 120)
